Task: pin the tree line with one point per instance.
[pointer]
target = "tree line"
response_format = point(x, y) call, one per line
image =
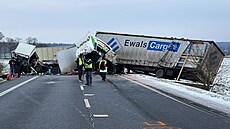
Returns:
point(29, 40)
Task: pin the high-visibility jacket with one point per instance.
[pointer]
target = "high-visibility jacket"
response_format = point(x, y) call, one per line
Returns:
point(88, 66)
point(105, 62)
point(80, 61)
point(105, 68)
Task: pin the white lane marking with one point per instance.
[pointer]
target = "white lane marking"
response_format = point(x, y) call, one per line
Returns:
point(82, 88)
point(50, 82)
point(100, 115)
point(89, 95)
point(15, 87)
point(87, 103)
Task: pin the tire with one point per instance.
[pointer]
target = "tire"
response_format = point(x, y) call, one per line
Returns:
point(118, 69)
point(38, 69)
point(160, 73)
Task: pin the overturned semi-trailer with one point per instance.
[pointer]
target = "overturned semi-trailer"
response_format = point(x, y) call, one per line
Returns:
point(197, 60)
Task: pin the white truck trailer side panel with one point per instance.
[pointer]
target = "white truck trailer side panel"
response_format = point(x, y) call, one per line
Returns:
point(48, 53)
point(147, 51)
point(66, 60)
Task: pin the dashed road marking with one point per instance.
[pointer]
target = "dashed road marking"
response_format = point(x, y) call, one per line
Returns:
point(89, 95)
point(50, 82)
point(82, 88)
point(15, 87)
point(87, 103)
point(100, 116)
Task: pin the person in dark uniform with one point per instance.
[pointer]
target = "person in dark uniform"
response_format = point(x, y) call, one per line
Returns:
point(103, 68)
point(12, 64)
point(18, 66)
point(80, 65)
point(88, 64)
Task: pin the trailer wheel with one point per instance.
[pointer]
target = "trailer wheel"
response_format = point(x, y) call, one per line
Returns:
point(160, 73)
point(118, 69)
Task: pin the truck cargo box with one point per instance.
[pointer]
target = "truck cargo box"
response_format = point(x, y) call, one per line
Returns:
point(165, 56)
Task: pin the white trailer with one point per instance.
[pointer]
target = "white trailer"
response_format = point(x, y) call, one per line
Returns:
point(167, 57)
point(48, 54)
point(66, 60)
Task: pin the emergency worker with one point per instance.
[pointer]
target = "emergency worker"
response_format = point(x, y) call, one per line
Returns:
point(88, 64)
point(12, 64)
point(80, 62)
point(18, 66)
point(103, 68)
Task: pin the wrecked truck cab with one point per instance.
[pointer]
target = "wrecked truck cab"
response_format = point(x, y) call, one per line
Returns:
point(29, 58)
point(90, 46)
point(105, 49)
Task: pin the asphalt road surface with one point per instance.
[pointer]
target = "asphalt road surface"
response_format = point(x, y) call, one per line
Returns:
point(61, 102)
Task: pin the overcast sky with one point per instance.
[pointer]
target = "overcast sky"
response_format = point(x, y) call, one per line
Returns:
point(69, 20)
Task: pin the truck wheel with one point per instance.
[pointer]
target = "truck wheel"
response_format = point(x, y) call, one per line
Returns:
point(38, 69)
point(160, 73)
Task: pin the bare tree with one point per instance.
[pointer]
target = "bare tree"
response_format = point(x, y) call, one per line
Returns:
point(10, 40)
point(17, 39)
point(1, 36)
point(31, 40)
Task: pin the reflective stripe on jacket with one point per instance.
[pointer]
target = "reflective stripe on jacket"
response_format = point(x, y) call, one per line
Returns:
point(105, 62)
point(88, 66)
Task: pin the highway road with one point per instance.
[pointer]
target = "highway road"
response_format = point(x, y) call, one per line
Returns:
point(61, 102)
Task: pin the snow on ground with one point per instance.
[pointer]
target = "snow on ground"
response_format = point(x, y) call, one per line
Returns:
point(222, 80)
point(6, 66)
point(203, 97)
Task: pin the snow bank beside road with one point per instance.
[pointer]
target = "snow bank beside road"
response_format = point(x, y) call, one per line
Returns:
point(206, 98)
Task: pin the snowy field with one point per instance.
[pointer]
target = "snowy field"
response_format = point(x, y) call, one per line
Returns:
point(203, 97)
point(222, 81)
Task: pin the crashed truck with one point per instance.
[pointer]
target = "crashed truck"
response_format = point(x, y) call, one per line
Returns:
point(29, 58)
point(196, 60)
point(91, 47)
